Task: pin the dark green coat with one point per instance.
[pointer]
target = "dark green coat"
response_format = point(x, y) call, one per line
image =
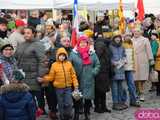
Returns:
point(86, 73)
point(154, 46)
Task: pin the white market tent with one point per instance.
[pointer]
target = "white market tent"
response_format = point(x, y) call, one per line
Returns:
point(95, 4)
point(64, 4)
point(26, 4)
point(151, 6)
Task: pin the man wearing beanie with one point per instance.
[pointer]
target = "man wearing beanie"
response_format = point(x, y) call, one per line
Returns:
point(3, 28)
point(16, 103)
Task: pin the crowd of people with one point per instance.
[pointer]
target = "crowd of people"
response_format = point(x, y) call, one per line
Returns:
point(38, 63)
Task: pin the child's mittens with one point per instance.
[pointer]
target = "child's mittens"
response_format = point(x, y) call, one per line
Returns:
point(151, 62)
point(77, 95)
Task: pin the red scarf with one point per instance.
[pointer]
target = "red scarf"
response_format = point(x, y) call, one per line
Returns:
point(84, 53)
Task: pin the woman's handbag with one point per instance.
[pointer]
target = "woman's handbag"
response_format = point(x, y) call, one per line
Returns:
point(153, 76)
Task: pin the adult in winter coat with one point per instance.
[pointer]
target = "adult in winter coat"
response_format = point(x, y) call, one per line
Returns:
point(30, 57)
point(143, 58)
point(49, 89)
point(7, 62)
point(65, 42)
point(16, 103)
point(34, 20)
point(87, 66)
point(154, 46)
point(103, 79)
point(118, 61)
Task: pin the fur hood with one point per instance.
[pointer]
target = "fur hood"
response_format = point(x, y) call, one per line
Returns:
point(14, 87)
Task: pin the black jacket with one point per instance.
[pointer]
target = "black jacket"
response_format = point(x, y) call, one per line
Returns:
point(103, 79)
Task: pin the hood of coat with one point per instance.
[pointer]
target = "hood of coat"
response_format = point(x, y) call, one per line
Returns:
point(14, 91)
point(61, 51)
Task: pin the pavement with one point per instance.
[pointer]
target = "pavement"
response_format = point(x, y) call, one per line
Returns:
point(151, 101)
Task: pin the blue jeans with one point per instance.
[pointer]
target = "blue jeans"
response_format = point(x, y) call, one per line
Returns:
point(119, 94)
point(131, 86)
point(64, 98)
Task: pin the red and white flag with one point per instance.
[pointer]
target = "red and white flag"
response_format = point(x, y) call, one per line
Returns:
point(75, 28)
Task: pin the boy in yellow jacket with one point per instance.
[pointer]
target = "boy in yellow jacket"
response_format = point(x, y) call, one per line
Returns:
point(63, 76)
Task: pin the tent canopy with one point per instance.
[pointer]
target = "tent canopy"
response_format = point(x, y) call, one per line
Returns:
point(95, 4)
point(64, 4)
point(26, 4)
point(151, 6)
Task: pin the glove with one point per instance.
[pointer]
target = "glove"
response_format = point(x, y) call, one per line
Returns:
point(77, 95)
point(151, 62)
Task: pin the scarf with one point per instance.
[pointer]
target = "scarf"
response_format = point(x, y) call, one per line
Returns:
point(84, 53)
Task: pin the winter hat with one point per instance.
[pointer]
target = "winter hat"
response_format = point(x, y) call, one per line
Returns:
point(89, 33)
point(82, 38)
point(116, 33)
point(83, 26)
point(20, 23)
point(84, 52)
point(3, 21)
point(5, 43)
point(49, 22)
point(11, 25)
point(40, 28)
point(18, 75)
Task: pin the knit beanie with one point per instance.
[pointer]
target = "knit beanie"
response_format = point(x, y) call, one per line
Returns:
point(20, 23)
point(5, 43)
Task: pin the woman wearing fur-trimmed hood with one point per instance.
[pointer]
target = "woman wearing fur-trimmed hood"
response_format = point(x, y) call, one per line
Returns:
point(16, 103)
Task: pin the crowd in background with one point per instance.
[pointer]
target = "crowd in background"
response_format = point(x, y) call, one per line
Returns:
point(38, 63)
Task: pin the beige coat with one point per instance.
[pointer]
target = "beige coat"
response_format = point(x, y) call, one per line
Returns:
point(143, 54)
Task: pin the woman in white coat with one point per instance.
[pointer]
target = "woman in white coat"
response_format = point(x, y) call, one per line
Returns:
point(143, 59)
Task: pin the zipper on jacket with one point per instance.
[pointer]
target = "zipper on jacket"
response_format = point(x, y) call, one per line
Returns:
point(64, 75)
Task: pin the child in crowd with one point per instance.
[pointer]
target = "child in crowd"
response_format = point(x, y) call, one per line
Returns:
point(63, 76)
point(118, 61)
point(129, 69)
